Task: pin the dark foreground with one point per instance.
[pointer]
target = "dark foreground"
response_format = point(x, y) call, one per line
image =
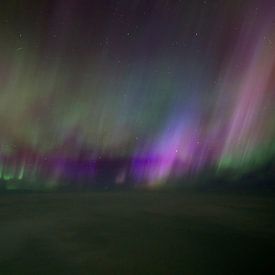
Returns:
point(137, 233)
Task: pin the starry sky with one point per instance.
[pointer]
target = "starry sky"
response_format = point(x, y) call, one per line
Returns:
point(176, 86)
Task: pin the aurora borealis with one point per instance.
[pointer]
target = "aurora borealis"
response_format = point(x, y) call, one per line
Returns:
point(144, 89)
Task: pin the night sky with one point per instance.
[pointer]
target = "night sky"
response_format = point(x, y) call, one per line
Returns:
point(174, 87)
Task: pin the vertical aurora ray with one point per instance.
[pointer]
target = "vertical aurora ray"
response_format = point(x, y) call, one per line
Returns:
point(21, 173)
point(247, 123)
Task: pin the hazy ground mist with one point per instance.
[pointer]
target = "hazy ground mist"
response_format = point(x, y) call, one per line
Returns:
point(137, 233)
